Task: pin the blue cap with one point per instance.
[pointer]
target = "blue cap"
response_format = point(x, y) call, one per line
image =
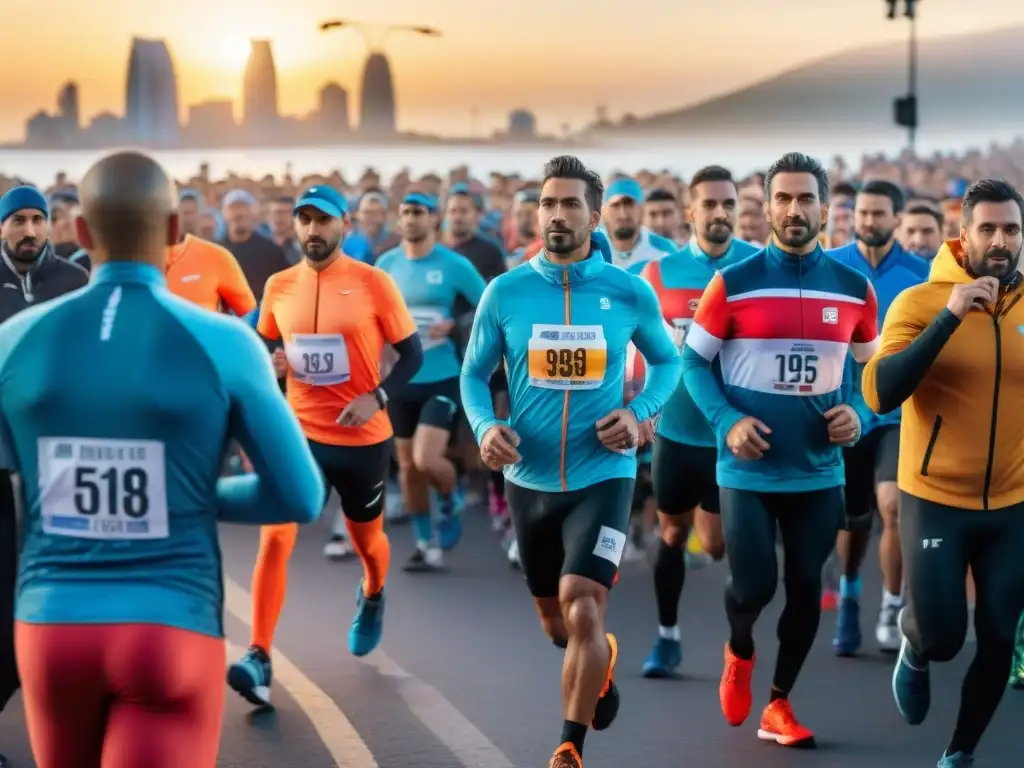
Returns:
point(236, 196)
point(23, 198)
point(462, 190)
point(191, 194)
point(421, 199)
point(325, 199)
point(624, 188)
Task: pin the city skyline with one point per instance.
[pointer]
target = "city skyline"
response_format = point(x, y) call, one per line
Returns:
point(465, 83)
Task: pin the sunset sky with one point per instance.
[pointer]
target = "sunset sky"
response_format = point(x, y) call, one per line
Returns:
point(560, 58)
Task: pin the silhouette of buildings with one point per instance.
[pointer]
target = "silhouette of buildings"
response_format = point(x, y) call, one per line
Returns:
point(67, 107)
point(333, 113)
point(522, 124)
point(60, 129)
point(212, 122)
point(377, 107)
point(151, 103)
point(259, 92)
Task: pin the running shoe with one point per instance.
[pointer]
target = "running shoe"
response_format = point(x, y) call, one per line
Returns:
point(887, 631)
point(665, 659)
point(734, 690)
point(566, 756)
point(1017, 667)
point(958, 760)
point(911, 685)
point(449, 520)
point(608, 704)
point(696, 557)
point(425, 559)
point(250, 676)
point(513, 554)
point(848, 637)
point(779, 724)
point(368, 623)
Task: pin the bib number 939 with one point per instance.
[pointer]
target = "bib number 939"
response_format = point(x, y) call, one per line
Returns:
point(566, 363)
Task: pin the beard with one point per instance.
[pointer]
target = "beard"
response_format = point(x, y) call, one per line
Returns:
point(718, 232)
point(318, 250)
point(999, 263)
point(563, 241)
point(874, 238)
point(624, 233)
point(25, 250)
point(803, 233)
point(414, 236)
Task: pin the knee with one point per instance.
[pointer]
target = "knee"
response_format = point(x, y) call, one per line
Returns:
point(889, 510)
point(277, 539)
point(804, 592)
point(554, 628)
point(582, 615)
point(940, 643)
point(709, 533)
point(673, 532)
point(752, 595)
point(424, 456)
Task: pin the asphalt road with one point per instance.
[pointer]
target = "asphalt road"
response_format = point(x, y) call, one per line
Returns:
point(464, 677)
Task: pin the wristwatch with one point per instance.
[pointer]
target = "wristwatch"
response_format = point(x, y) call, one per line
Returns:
point(381, 397)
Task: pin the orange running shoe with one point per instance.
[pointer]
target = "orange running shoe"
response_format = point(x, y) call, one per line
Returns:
point(608, 705)
point(566, 756)
point(779, 724)
point(734, 690)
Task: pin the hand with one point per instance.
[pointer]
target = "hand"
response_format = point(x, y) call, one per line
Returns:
point(441, 329)
point(280, 362)
point(646, 433)
point(498, 447)
point(968, 296)
point(359, 411)
point(618, 430)
point(843, 425)
point(745, 441)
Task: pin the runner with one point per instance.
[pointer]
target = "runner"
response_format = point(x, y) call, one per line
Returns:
point(683, 465)
point(949, 353)
point(633, 244)
point(871, 463)
point(436, 283)
point(783, 321)
point(334, 315)
point(209, 276)
point(120, 634)
point(561, 323)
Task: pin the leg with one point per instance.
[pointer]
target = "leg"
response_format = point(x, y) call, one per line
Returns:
point(404, 410)
point(749, 531)
point(439, 422)
point(65, 693)
point(167, 710)
point(496, 502)
point(1000, 583)
point(8, 578)
point(891, 562)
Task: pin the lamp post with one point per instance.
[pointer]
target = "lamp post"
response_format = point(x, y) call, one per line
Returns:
point(906, 106)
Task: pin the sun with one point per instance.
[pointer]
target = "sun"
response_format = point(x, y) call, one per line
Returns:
point(234, 52)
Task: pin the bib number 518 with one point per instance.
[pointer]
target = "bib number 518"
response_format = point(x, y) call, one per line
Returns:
point(113, 491)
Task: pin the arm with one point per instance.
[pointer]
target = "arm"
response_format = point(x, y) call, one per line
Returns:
point(710, 328)
point(234, 289)
point(483, 354)
point(470, 287)
point(662, 358)
point(863, 344)
point(909, 347)
point(265, 322)
point(286, 486)
point(399, 331)
point(410, 358)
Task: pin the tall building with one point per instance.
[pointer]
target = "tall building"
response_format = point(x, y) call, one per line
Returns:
point(151, 108)
point(522, 124)
point(67, 106)
point(377, 97)
point(211, 122)
point(334, 110)
point(259, 92)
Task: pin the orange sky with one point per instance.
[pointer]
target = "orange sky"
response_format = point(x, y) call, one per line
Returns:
point(560, 60)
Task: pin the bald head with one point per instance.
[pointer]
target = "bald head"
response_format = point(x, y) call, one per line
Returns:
point(128, 208)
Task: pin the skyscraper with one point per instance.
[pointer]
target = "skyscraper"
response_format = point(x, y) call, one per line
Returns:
point(333, 110)
point(151, 108)
point(259, 91)
point(67, 106)
point(377, 108)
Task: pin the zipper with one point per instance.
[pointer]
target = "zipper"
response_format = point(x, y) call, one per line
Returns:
point(995, 413)
point(565, 401)
point(931, 446)
point(316, 304)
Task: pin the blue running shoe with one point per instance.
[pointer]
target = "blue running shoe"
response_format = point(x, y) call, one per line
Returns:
point(911, 685)
point(449, 521)
point(368, 623)
point(848, 638)
point(251, 676)
point(959, 760)
point(665, 659)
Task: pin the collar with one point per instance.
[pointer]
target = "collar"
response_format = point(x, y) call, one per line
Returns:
point(577, 272)
point(129, 272)
point(693, 248)
point(337, 266)
point(791, 261)
point(643, 238)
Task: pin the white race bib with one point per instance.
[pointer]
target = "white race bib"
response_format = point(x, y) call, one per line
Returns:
point(679, 329)
point(103, 489)
point(320, 359)
point(567, 357)
point(425, 317)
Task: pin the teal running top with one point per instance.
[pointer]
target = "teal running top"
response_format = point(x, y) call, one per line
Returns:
point(117, 402)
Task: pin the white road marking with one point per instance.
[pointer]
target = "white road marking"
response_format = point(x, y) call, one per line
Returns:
point(335, 730)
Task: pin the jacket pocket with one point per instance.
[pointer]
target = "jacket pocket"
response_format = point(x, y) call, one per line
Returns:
point(931, 446)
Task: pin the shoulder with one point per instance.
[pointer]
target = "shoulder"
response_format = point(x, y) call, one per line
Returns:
point(388, 257)
point(848, 280)
point(739, 272)
point(280, 279)
point(662, 243)
point(227, 340)
point(843, 254)
point(19, 327)
point(914, 264)
point(744, 250)
point(212, 251)
point(453, 259)
point(74, 273)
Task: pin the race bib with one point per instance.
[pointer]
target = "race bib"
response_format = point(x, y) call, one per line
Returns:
point(318, 359)
point(113, 490)
point(567, 357)
point(679, 328)
point(425, 317)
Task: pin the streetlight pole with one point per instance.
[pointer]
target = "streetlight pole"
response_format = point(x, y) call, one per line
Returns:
point(906, 106)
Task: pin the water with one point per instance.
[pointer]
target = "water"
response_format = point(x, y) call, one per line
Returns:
point(627, 155)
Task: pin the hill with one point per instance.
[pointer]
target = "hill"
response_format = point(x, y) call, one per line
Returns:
point(966, 82)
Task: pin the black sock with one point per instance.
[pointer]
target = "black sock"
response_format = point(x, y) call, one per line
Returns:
point(777, 694)
point(669, 577)
point(574, 733)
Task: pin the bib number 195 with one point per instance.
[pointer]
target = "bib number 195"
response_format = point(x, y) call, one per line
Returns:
point(797, 368)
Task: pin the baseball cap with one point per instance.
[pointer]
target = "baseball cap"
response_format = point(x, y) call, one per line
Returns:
point(421, 199)
point(624, 188)
point(325, 199)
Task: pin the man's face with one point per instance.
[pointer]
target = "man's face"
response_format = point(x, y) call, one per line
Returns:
point(662, 217)
point(240, 218)
point(62, 226)
point(714, 210)
point(992, 239)
point(525, 214)
point(25, 234)
point(188, 216)
point(795, 210)
point(875, 220)
point(920, 234)
point(280, 218)
point(622, 216)
point(840, 225)
point(417, 222)
point(462, 217)
point(206, 226)
point(372, 215)
point(565, 219)
point(319, 233)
